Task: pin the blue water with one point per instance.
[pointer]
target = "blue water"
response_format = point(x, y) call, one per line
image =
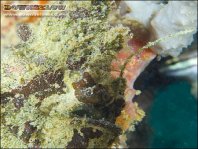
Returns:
point(173, 117)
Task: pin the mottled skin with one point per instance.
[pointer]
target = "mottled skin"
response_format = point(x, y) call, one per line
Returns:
point(75, 101)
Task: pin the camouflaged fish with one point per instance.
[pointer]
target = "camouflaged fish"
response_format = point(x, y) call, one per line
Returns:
point(61, 85)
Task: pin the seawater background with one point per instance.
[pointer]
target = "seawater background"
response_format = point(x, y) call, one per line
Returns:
point(171, 111)
point(173, 117)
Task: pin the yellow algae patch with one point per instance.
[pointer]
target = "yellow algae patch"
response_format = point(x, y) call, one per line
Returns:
point(130, 115)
